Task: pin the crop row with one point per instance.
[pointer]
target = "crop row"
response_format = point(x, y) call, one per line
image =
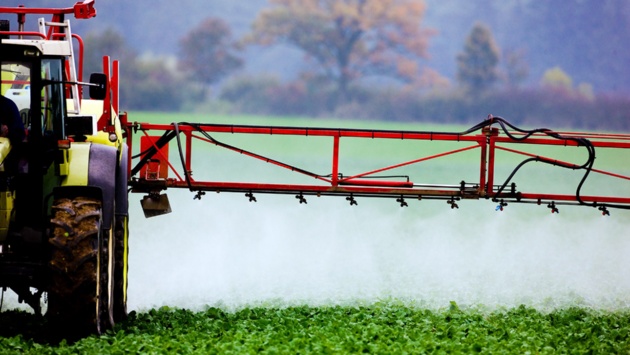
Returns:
point(379, 328)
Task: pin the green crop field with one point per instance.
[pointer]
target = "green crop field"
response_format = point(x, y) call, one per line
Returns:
point(224, 275)
point(382, 328)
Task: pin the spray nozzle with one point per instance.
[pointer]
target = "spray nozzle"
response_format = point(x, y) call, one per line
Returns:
point(605, 211)
point(553, 207)
point(301, 198)
point(501, 205)
point(251, 197)
point(402, 202)
point(351, 200)
point(452, 203)
point(199, 194)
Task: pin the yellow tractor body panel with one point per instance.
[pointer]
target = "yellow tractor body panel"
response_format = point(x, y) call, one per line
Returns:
point(78, 164)
point(125, 256)
point(6, 197)
point(91, 107)
point(6, 210)
point(5, 149)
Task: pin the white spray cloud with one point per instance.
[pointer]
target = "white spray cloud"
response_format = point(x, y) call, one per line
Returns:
point(224, 251)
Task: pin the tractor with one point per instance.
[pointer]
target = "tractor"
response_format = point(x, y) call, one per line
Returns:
point(63, 186)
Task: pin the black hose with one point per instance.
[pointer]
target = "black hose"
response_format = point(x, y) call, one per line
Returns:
point(181, 156)
point(587, 166)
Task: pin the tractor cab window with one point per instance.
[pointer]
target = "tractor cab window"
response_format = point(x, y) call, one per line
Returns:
point(53, 102)
point(16, 86)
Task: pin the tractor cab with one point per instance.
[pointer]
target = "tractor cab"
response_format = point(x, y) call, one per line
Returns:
point(34, 79)
point(35, 84)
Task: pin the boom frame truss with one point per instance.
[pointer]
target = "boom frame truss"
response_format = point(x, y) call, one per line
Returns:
point(485, 137)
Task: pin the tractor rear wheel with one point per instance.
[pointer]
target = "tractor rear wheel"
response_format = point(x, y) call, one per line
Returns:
point(81, 264)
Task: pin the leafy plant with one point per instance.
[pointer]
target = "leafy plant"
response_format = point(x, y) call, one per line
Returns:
point(387, 327)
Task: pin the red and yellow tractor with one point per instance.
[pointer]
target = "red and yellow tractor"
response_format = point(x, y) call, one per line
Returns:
point(63, 185)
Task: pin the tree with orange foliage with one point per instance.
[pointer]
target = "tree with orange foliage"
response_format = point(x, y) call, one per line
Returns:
point(350, 39)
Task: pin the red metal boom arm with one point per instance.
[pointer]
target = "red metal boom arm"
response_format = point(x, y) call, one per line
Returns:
point(484, 137)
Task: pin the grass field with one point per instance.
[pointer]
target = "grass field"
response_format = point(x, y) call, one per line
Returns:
point(222, 275)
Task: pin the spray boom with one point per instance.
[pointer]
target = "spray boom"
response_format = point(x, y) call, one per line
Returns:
point(485, 138)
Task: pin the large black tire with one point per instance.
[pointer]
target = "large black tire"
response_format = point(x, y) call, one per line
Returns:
point(81, 264)
point(121, 263)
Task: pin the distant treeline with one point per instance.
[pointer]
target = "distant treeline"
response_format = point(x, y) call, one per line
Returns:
point(544, 107)
point(356, 76)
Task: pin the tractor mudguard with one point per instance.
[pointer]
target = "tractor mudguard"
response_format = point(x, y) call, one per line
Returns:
point(95, 165)
point(102, 173)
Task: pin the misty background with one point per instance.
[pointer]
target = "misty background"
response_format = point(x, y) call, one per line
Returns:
point(559, 63)
point(587, 39)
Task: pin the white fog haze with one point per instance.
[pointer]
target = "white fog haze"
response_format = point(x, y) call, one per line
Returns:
point(225, 252)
